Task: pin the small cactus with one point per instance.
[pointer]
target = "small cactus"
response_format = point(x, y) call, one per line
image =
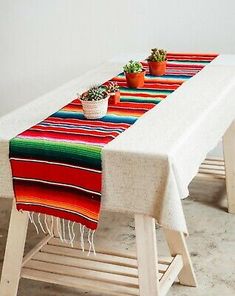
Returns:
point(112, 87)
point(133, 67)
point(95, 93)
point(157, 55)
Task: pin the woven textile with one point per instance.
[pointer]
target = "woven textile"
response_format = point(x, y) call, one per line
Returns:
point(56, 164)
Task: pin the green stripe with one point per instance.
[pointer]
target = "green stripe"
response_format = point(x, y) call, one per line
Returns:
point(141, 100)
point(140, 91)
point(78, 154)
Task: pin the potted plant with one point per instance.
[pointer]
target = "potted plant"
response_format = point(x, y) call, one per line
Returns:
point(134, 74)
point(112, 89)
point(157, 62)
point(95, 102)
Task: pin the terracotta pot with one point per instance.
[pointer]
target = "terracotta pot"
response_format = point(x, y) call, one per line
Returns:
point(95, 109)
point(157, 68)
point(135, 80)
point(114, 98)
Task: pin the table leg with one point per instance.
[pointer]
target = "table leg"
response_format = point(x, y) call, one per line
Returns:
point(147, 257)
point(14, 253)
point(177, 245)
point(229, 157)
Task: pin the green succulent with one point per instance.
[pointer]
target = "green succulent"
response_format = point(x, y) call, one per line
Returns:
point(157, 55)
point(112, 87)
point(95, 93)
point(133, 67)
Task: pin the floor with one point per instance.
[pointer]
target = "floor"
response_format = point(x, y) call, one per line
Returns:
point(211, 243)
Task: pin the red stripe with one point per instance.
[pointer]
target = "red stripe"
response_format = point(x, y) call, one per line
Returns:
point(113, 110)
point(122, 81)
point(211, 55)
point(128, 105)
point(57, 196)
point(189, 58)
point(180, 66)
point(66, 137)
point(57, 213)
point(87, 122)
point(185, 67)
point(74, 130)
point(57, 173)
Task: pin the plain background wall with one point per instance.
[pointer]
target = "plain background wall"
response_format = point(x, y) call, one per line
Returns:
point(44, 43)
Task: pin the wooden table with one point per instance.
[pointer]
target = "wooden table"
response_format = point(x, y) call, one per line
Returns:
point(111, 272)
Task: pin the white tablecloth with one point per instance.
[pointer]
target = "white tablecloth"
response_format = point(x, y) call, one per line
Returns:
point(147, 169)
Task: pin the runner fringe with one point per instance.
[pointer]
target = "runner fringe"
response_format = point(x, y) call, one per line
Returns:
point(66, 233)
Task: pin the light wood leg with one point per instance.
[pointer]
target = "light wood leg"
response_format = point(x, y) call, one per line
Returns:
point(229, 157)
point(147, 257)
point(14, 253)
point(177, 245)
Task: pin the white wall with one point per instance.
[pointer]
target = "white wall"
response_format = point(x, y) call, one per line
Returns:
point(44, 43)
point(196, 25)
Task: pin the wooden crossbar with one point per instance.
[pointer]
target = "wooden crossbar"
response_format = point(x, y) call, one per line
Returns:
point(117, 274)
point(110, 272)
point(213, 168)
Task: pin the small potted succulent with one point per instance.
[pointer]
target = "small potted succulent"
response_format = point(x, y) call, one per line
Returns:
point(157, 62)
point(112, 89)
point(95, 102)
point(135, 73)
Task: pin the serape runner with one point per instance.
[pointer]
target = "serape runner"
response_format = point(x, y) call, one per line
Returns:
point(56, 164)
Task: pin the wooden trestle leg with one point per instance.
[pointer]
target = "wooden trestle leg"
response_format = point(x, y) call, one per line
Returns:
point(147, 257)
point(229, 157)
point(177, 245)
point(109, 271)
point(153, 281)
point(14, 253)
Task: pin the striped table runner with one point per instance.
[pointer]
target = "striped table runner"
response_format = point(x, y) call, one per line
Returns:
point(56, 164)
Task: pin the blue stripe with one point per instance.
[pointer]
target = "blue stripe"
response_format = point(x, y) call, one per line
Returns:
point(83, 127)
point(163, 77)
point(107, 118)
point(140, 100)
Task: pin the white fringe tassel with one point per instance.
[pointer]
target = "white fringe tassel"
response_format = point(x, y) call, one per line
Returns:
point(40, 223)
point(70, 236)
point(64, 232)
point(52, 226)
point(73, 233)
point(89, 241)
point(31, 218)
point(92, 242)
point(47, 227)
point(61, 230)
point(82, 229)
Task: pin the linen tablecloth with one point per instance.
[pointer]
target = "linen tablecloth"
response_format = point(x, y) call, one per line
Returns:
point(162, 161)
